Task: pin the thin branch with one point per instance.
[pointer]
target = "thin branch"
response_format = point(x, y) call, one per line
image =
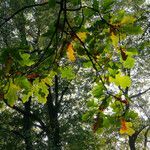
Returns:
point(42, 57)
point(87, 52)
point(63, 93)
point(56, 90)
point(32, 116)
point(141, 129)
point(144, 110)
point(145, 137)
point(139, 94)
point(20, 10)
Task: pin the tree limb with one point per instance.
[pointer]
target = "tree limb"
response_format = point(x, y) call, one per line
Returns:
point(32, 116)
point(145, 137)
point(56, 90)
point(139, 94)
point(20, 10)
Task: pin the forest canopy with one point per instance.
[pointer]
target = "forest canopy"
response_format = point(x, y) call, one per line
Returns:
point(74, 74)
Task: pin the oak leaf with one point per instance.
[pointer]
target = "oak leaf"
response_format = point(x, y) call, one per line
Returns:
point(126, 128)
point(70, 52)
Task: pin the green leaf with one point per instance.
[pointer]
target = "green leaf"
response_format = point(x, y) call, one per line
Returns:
point(11, 95)
point(124, 81)
point(92, 103)
point(112, 72)
point(117, 107)
point(100, 131)
point(98, 90)
point(87, 64)
point(120, 80)
point(23, 83)
point(130, 29)
point(49, 79)
point(52, 3)
point(26, 61)
point(131, 115)
point(106, 4)
point(88, 13)
point(106, 122)
point(25, 97)
point(129, 62)
point(112, 120)
point(85, 116)
point(67, 72)
point(40, 91)
point(132, 51)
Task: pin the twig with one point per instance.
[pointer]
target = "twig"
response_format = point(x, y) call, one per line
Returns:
point(139, 94)
point(21, 9)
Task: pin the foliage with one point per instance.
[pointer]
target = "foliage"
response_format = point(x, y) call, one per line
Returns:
point(44, 45)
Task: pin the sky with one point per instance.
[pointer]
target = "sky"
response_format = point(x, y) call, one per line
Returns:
point(148, 1)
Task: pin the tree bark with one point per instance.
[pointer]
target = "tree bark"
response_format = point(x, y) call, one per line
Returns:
point(132, 140)
point(54, 135)
point(27, 125)
point(145, 137)
point(54, 128)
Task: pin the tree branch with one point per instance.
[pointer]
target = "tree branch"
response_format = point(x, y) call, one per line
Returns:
point(145, 137)
point(141, 129)
point(42, 57)
point(139, 94)
point(20, 10)
point(32, 116)
point(56, 90)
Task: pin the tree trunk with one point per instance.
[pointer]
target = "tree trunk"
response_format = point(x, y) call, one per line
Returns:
point(132, 140)
point(54, 140)
point(54, 128)
point(55, 133)
point(27, 125)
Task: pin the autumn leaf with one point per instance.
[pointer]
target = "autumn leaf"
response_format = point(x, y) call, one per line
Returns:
point(127, 20)
point(123, 53)
point(126, 128)
point(32, 76)
point(70, 53)
point(115, 39)
point(82, 36)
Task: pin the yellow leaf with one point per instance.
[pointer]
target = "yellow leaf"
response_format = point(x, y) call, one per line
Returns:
point(115, 39)
point(127, 20)
point(122, 131)
point(128, 124)
point(130, 132)
point(126, 128)
point(70, 53)
point(82, 36)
